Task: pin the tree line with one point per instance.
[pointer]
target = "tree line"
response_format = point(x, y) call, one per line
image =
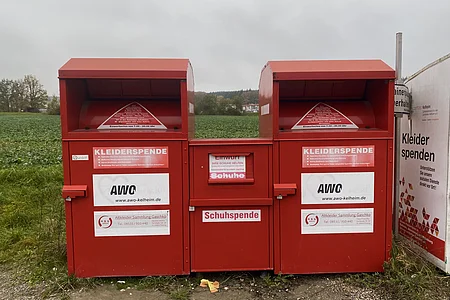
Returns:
point(26, 95)
point(224, 102)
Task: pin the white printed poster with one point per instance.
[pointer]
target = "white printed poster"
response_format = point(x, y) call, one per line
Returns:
point(231, 215)
point(226, 167)
point(424, 160)
point(345, 220)
point(131, 223)
point(131, 189)
point(337, 188)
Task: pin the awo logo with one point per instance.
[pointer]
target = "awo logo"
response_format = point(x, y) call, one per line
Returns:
point(329, 188)
point(312, 219)
point(118, 190)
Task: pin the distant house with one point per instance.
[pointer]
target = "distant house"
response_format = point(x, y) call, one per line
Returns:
point(251, 108)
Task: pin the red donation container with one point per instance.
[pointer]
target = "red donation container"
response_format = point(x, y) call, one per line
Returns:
point(332, 127)
point(125, 129)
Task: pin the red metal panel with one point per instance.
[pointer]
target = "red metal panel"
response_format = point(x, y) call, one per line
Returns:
point(186, 233)
point(190, 102)
point(265, 103)
point(338, 252)
point(276, 212)
point(230, 246)
point(125, 255)
point(389, 193)
point(68, 210)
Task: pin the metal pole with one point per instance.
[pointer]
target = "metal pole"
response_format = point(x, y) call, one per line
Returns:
point(398, 116)
point(398, 56)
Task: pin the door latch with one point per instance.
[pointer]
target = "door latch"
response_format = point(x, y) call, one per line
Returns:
point(70, 192)
point(284, 189)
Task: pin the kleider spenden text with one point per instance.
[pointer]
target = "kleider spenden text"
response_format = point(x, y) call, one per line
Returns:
point(419, 140)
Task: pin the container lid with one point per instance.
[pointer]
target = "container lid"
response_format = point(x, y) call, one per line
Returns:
point(124, 68)
point(330, 69)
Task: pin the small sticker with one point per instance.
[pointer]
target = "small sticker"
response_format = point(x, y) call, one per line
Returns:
point(191, 108)
point(131, 189)
point(132, 116)
point(80, 157)
point(324, 116)
point(338, 156)
point(325, 221)
point(265, 109)
point(227, 167)
point(209, 216)
point(131, 223)
point(130, 157)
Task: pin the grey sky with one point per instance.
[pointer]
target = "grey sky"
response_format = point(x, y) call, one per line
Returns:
point(228, 42)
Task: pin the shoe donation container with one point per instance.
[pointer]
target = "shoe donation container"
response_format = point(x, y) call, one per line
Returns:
point(231, 204)
point(332, 127)
point(125, 129)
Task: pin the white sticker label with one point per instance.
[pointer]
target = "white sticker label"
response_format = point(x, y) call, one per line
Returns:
point(131, 223)
point(80, 157)
point(337, 188)
point(324, 221)
point(131, 189)
point(226, 167)
point(231, 216)
point(132, 116)
point(265, 109)
point(191, 108)
point(323, 116)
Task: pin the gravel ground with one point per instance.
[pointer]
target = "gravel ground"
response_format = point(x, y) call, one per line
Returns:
point(12, 288)
point(305, 287)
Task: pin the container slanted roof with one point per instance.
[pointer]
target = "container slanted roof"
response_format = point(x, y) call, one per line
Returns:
point(330, 69)
point(125, 68)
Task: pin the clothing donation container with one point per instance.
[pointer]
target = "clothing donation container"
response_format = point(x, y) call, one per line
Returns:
point(125, 129)
point(332, 127)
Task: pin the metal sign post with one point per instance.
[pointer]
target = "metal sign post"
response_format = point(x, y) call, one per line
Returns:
point(402, 105)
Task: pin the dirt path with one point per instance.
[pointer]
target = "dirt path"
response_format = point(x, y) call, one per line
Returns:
point(11, 288)
point(240, 287)
point(313, 287)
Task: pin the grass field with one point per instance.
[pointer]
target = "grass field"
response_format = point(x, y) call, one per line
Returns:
point(32, 222)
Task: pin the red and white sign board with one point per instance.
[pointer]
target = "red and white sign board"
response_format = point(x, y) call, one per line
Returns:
point(344, 220)
point(231, 215)
point(226, 167)
point(130, 157)
point(338, 188)
point(338, 156)
point(132, 116)
point(324, 116)
point(422, 206)
point(131, 223)
point(131, 189)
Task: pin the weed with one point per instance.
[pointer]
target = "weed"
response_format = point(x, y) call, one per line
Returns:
point(407, 275)
point(277, 280)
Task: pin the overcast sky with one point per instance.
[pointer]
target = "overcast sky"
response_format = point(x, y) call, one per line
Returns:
point(227, 41)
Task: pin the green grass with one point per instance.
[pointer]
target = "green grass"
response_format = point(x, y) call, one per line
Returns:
point(28, 139)
point(226, 126)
